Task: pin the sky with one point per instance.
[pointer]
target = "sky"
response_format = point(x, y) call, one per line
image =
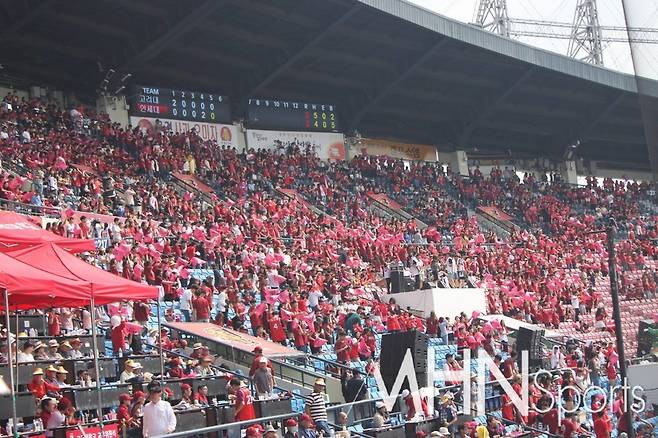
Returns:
point(616, 56)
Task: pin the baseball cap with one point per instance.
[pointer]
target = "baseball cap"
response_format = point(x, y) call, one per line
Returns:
point(379, 405)
point(291, 422)
point(305, 417)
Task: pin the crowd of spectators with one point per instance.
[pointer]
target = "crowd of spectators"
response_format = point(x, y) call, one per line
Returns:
point(284, 271)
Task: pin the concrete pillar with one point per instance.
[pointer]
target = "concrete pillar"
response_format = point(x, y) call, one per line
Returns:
point(569, 172)
point(457, 160)
point(115, 107)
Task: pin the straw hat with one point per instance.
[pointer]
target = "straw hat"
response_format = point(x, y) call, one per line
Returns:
point(65, 344)
point(320, 382)
point(37, 372)
point(51, 368)
point(61, 370)
point(197, 346)
point(53, 343)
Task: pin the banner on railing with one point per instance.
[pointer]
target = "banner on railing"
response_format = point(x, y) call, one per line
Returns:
point(393, 149)
point(109, 431)
point(327, 145)
point(224, 135)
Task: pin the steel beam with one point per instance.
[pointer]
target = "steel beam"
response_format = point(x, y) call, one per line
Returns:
point(593, 123)
point(374, 101)
point(154, 48)
point(26, 18)
point(269, 77)
point(489, 109)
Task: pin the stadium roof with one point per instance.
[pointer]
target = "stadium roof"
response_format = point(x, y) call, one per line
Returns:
point(396, 70)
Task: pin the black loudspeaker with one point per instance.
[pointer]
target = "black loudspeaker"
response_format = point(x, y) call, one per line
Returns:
point(529, 339)
point(394, 348)
point(397, 281)
point(644, 339)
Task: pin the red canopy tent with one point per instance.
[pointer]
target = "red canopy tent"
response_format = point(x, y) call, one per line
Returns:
point(104, 286)
point(17, 232)
point(30, 287)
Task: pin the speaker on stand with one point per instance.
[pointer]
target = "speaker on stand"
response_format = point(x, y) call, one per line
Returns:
point(644, 339)
point(530, 340)
point(394, 348)
point(397, 278)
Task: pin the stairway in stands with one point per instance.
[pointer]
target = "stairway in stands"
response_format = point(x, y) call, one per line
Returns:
point(632, 312)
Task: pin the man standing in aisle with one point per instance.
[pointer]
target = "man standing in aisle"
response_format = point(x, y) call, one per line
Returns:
point(316, 407)
point(158, 415)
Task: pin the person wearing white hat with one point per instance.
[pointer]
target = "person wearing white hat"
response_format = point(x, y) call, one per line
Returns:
point(316, 407)
point(128, 371)
point(53, 354)
point(263, 379)
point(381, 418)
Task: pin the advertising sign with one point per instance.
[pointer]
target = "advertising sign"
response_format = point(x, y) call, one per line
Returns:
point(404, 151)
point(327, 145)
point(223, 134)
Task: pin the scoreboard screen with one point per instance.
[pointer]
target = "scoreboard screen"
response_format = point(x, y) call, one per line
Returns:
point(292, 116)
point(166, 103)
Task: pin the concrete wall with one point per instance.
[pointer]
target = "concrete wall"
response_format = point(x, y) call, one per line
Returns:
point(116, 109)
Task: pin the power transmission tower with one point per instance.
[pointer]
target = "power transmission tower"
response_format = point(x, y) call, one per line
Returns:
point(586, 36)
point(585, 43)
point(492, 15)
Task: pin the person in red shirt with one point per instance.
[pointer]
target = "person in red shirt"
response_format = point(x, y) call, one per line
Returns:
point(570, 426)
point(176, 369)
point(601, 425)
point(510, 366)
point(54, 328)
point(201, 305)
point(244, 402)
point(39, 387)
point(411, 407)
point(301, 338)
point(123, 413)
point(118, 336)
point(201, 396)
point(141, 312)
point(276, 330)
point(551, 420)
point(507, 409)
point(342, 348)
point(258, 353)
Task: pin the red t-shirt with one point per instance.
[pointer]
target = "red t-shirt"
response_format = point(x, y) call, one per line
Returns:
point(54, 328)
point(276, 330)
point(508, 367)
point(118, 336)
point(601, 428)
point(141, 312)
point(569, 427)
point(123, 413)
point(247, 412)
point(342, 356)
point(201, 307)
point(508, 408)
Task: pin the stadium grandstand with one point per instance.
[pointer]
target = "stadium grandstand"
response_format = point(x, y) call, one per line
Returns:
point(314, 218)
